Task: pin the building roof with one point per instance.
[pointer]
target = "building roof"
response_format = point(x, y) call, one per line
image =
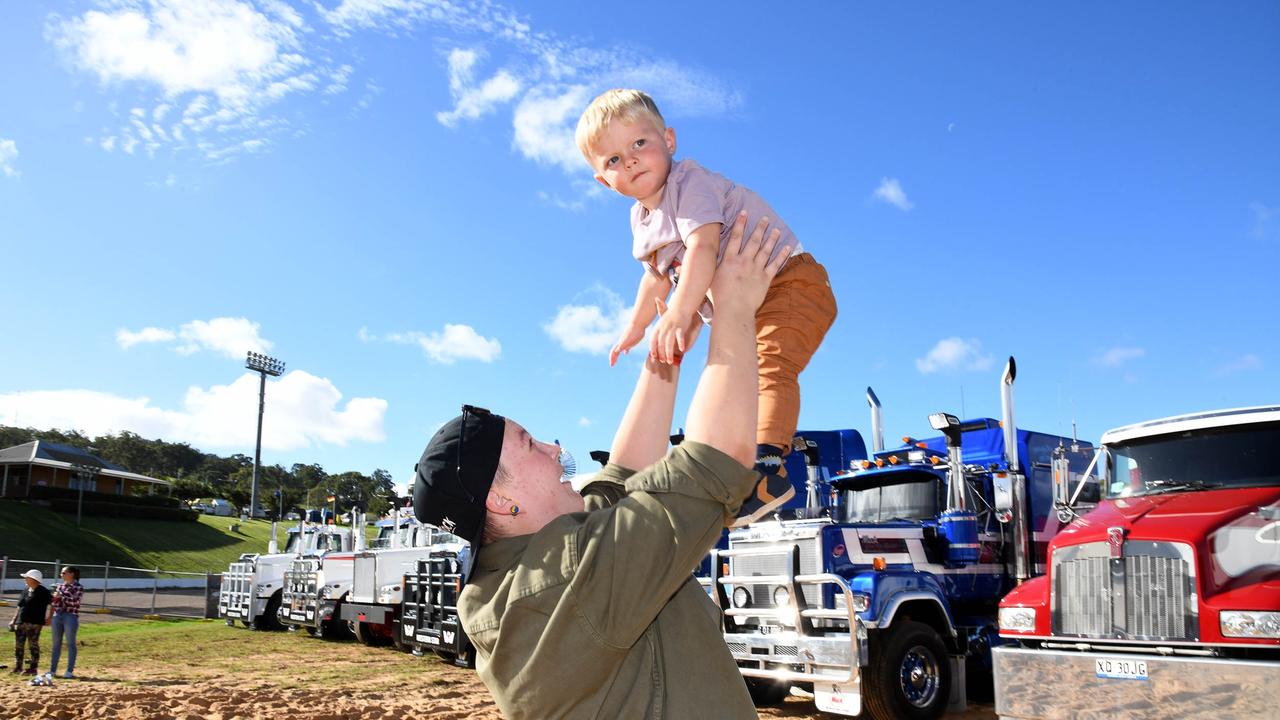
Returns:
point(42, 452)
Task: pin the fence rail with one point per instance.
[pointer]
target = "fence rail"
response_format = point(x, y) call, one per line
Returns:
point(147, 592)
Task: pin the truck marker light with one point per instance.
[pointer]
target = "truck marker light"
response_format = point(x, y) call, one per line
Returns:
point(878, 563)
point(935, 460)
point(724, 568)
point(922, 445)
point(866, 464)
point(879, 463)
point(893, 460)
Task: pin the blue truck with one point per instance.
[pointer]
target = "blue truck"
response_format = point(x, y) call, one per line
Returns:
point(877, 589)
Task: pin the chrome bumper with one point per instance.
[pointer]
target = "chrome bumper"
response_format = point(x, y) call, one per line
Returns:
point(1052, 684)
point(798, 653)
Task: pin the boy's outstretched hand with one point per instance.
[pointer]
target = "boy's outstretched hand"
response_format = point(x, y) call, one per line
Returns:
point(629, 339)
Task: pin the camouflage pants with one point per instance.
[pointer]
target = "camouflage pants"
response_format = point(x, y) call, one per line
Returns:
point(28, 633)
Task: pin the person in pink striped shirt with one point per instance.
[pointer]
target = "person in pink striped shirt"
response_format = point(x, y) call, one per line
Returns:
point(66, 618)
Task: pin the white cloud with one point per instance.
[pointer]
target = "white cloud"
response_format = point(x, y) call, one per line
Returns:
point(365, 336)
point(455, 342)
point(232, 337)
point(302, 411)
point(552, 78)
point(470, 101)
point(891, 191)
point(232, 59)
point(584, 421)
point(8, 154)
point(544, 122)
point(1245, 363)
point(1117, 356)
point(954, 354)
point(128, 339)
point(590, 327)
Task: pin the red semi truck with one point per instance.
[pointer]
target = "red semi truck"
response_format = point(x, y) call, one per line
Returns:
point(1164, 600)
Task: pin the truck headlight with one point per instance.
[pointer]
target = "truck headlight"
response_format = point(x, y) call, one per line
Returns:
point(1249, 624)
point(1018, 619)
point(781, 596)
point(860, 602)
point(741, 597)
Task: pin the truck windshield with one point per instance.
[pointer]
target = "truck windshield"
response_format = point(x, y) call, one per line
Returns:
point(1245, 456)
point(292, 545)
point(914, 499)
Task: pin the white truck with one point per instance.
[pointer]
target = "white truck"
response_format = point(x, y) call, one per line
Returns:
point(378, 581)
point(252, 587)
point(315, 586)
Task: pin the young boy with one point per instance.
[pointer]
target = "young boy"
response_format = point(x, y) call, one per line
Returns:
point(680, 224)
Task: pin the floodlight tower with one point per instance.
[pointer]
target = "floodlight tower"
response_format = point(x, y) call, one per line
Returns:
point(264, 366)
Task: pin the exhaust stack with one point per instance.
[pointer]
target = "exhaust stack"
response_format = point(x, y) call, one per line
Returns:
point(1006, 415)
point(1022, 545)
point(877, 422)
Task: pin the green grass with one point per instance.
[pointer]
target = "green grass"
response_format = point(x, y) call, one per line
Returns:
point(206, 545)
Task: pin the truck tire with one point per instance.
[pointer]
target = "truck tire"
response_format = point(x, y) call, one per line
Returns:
point(908, 676)
point(766, 693)
point(269, 619)
point(367, 635)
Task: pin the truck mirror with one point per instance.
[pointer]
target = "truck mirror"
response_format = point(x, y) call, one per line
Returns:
point(1061, 469)
point(1002, 488)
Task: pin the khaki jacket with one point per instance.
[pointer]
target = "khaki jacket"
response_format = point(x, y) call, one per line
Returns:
point(597, 615)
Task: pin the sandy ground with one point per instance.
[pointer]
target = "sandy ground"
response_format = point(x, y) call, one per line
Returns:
point(225, 673)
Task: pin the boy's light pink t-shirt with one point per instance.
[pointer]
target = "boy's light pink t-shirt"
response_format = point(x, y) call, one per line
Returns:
point(695, 196)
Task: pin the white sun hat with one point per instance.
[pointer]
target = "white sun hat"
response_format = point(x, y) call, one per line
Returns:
point(34, 575)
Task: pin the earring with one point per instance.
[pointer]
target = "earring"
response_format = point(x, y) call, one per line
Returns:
point(515, 510)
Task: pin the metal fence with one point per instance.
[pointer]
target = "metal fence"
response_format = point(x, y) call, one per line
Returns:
point(136, 592)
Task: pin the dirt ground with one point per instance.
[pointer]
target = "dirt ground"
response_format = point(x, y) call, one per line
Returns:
point(206, 671)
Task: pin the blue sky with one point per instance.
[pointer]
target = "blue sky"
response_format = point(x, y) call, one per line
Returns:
point(385, 195)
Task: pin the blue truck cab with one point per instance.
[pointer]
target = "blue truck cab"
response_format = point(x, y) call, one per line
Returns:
point(879, 592)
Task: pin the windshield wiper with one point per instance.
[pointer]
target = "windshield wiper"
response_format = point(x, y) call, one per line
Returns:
point(1170, 485)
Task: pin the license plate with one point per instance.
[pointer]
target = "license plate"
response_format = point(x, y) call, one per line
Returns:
point(1120, 669)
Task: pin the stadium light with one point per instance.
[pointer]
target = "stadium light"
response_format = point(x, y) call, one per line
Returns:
point(264, 366)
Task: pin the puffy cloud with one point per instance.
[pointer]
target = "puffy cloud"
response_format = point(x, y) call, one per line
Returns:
point(8, 156)
point(302, 411)
point(890, 191)
point(590, 327)
point(231, 58)
point(128, 339)
point(229, 336)
point(471, 101)
point(455, 342)
point(1117, 356)
point(544, 124)
point(954, 354)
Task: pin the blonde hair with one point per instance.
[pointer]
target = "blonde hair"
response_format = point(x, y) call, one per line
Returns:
point(611, 105)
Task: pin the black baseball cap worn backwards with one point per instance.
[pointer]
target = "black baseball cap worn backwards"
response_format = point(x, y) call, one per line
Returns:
point(453, 477)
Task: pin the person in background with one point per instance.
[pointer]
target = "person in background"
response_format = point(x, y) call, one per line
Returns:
point(66, 618)
point(33, 614)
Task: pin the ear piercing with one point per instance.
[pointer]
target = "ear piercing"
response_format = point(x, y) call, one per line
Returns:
point(515, 510)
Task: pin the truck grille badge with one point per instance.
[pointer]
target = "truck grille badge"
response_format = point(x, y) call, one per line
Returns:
point(1115, 538)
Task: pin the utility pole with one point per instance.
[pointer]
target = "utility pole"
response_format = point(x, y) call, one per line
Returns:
point(264, 366)
point(84, 473)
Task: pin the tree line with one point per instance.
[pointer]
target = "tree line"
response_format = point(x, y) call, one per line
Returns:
point(197, 474)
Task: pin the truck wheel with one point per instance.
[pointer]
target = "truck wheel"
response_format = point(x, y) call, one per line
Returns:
point(367, 635)
point(765, 693)
point(269, 619)
point(908, 675)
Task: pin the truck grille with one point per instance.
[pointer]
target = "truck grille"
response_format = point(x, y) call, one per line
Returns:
point(776, 564)
point(1147, 594)
point(298, 602)
point(364, 581)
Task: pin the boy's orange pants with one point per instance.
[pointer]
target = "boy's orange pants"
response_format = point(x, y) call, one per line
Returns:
point(796, 313)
